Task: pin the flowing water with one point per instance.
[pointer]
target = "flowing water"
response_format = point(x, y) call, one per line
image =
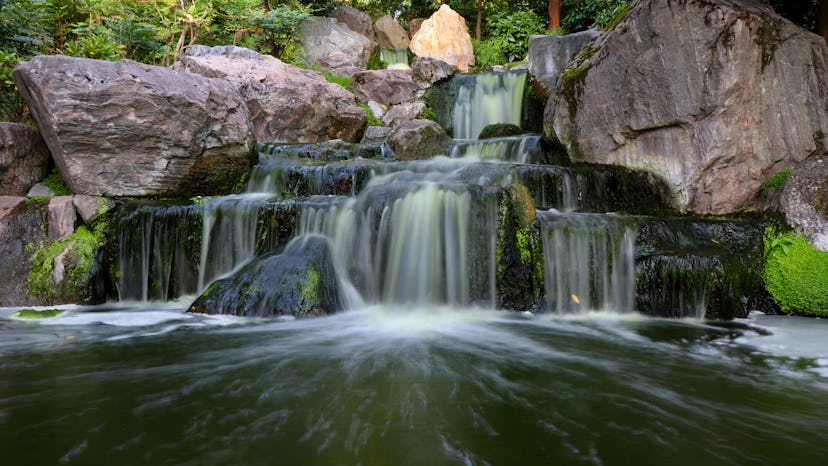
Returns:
point(422, 368)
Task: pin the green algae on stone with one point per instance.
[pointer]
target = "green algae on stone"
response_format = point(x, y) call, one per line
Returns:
point(796, 274)
point(35, 314)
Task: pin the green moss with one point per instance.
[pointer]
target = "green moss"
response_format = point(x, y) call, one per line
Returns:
point(310, 293)
point(83, 246)
point(796, 274)
point(617, 18)
point(427, 113)
point(775, 183)
point(375, 62)
point(573, 80)
point(54, 182)
point(341, 79)
point(241, 183)
point(372, 119)
point(524, 244)
point(37, 313)
point(767, 37)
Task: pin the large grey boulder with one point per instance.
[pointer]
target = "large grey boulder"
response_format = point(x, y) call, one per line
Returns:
point(286, 104)
point(24, 159)
point(356, 20)
point(804, 200)
point(326, 37)
point(386, 87)
point(130, 129)
point(712, 96)
point(389, 34)
point(549, 55)
point(418, 140)
point(301, 281)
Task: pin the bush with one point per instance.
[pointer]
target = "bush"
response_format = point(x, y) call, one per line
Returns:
point(512, 29)
point(796, 274)
point(579, 15)
point(488, 52)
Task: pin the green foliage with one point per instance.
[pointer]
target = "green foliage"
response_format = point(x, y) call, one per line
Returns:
point(372, 119)
point(796, 274)
point(54, 182)
point(279, 30)
point(579, 15)
point(100, 44)
point(513, 29)
point(341, 79)
point(34, 314)
point(775, 183)
point(489, 52)
point(427, 113)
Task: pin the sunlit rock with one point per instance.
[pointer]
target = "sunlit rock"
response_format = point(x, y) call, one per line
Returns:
point(389, 34)
point(445, 36)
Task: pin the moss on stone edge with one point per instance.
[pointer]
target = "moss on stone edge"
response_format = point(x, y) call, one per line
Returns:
point(775, 183)
point(372, 119)
point(310, 292)
point(35, 314)
point(796, 274)
point(78, 265)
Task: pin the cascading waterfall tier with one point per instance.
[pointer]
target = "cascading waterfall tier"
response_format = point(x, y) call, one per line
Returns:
point(395, 59)
point(589, 262)
point(488, 98)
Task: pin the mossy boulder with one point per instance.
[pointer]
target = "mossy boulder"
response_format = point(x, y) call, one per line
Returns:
point(796, 275)
point(300, 282)
point(500, 130)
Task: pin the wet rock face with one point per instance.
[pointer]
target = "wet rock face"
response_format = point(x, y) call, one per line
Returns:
point(24, 159)
point(445, 36)
point(286, 104)
point(325, 37)
point(712, 96)
point(300, 281)
point(22, 225)
point(129, 129)
point(804, 200)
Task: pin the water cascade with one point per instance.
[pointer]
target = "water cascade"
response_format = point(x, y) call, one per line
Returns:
point(486, 99)
point(395, 59)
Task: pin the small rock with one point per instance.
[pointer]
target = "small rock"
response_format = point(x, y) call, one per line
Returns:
point(390, 34)
point(403, 112)
point(431, 70)
point(418, 140)
point(376, 134)
point(386, 87)
point(40, 190)
point(62, 217)
point(90, 207)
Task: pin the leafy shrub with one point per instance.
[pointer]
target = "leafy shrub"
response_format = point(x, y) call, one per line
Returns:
point(100, 44)
point(513, 29)
point(579, 15)
point(796, 274)
point(775, 182)
point(488, 52)
point(279, 30)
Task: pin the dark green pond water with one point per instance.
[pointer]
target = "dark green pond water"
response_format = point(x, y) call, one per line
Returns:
point(133, 385)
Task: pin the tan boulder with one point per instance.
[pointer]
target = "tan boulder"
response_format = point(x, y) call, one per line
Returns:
point(445, 36)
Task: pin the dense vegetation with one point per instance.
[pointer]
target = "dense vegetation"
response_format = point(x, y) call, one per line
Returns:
point(796, 274)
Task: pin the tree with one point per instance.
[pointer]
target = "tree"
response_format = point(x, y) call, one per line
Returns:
point(554, 14)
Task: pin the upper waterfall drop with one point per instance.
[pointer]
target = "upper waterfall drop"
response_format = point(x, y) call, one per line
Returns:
point(395, 59)
point(488, 98)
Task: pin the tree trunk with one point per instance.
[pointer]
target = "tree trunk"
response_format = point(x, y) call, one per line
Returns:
point(554, 14)
point(479, 23)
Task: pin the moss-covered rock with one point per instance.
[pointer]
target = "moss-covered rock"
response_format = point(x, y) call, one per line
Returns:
point(499, 130)
point(796, 275)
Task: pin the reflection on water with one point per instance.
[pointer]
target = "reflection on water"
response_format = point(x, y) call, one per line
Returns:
point(129, 385)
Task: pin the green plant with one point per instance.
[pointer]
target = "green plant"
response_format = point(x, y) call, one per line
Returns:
point(488, 52)
point(100, 44)
point(341, 79)
point(579, 15)
point(775, 183)
point(513, 28)
point(796, 274)
point(34, 314)
point(54, 182)
point(79, 250)
point(372, 119)
point(279, 30)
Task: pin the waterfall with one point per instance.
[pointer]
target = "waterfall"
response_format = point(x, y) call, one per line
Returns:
point(522, 149)
point(395, 59)
point(229, 234)
point(588, 262)
point(486, 99)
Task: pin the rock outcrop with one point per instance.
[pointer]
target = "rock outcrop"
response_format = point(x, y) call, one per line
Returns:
point(804, 200)
point(22, 229)
point(130, 129)
point(301, 281)
point(549, 55)
point(445, 36)
point(418, 140)
point(712, 96)
point(24, 159)
point(389, 34)
point(333, 45)
point(431, 70)
point(286, 104)
point(386, 87)
point(356, 20)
